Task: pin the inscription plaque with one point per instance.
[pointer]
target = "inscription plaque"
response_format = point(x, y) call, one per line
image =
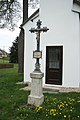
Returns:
point(37, 54)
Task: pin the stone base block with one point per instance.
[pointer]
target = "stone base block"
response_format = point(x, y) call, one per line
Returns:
point(36, 101)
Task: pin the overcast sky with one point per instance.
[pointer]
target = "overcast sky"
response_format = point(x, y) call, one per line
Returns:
point(7, 37)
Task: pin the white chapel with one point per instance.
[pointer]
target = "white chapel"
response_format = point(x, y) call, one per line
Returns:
point(60, 46)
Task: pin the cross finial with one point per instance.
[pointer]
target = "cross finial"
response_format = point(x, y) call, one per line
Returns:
point(39, 23)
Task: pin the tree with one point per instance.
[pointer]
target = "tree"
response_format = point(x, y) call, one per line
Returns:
point(10, 13)
point(14, 52)
point(33, 3)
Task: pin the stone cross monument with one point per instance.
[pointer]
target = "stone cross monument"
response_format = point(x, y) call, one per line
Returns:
point(36, 96)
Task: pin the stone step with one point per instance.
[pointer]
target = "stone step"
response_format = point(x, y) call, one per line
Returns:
point(45, 89)
point(49, 89)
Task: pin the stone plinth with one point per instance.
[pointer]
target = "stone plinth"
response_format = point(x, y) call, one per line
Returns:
point(36, 96)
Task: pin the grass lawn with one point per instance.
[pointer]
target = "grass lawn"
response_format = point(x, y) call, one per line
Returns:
point(13, 102)
point(4, 60)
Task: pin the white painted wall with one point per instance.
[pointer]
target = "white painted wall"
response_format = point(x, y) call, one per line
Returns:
point(79, 51)
point(64, 30)
point(29, 46)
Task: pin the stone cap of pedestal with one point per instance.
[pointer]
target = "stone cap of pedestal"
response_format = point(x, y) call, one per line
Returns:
point(36, 75)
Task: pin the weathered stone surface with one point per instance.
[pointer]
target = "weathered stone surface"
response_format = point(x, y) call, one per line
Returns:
point(53, 89)
point(36, 96)
point(36, 75)
point(35, 100)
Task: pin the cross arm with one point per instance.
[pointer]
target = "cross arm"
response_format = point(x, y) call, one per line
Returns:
point(44, 29)
point(32, 30)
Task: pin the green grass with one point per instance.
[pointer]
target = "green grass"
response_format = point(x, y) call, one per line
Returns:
point(13, 102)
point(10, 95)
point(4, 60)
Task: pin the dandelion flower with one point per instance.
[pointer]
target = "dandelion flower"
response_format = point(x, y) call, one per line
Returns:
point(64, 116)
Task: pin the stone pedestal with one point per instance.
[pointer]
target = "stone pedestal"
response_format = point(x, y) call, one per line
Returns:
point(36, 96)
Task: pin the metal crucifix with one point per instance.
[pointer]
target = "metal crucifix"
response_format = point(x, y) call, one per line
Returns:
point(37, 53)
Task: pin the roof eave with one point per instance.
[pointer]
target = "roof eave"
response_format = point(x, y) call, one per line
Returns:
point(30, 18)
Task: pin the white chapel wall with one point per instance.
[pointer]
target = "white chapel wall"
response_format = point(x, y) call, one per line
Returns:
point(29, 47)
point(64, 30)
point(79, 50)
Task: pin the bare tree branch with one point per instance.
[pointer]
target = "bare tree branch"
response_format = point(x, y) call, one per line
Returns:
point(10, 13)
point(33, 3)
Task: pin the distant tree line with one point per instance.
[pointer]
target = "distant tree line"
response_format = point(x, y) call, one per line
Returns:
point(14, 51)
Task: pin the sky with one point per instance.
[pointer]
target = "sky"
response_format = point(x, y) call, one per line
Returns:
point(7, 36)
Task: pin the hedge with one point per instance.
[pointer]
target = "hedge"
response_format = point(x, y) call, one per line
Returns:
point(2, 66)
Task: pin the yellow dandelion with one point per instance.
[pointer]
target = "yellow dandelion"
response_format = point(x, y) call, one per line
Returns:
point(71, 107)
point(73, 100)
point(54, 114)
point(66, 104)
point(71, 110)
point(64, 101)
point(40, 107)
point(64, 116)
point(78, 101)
